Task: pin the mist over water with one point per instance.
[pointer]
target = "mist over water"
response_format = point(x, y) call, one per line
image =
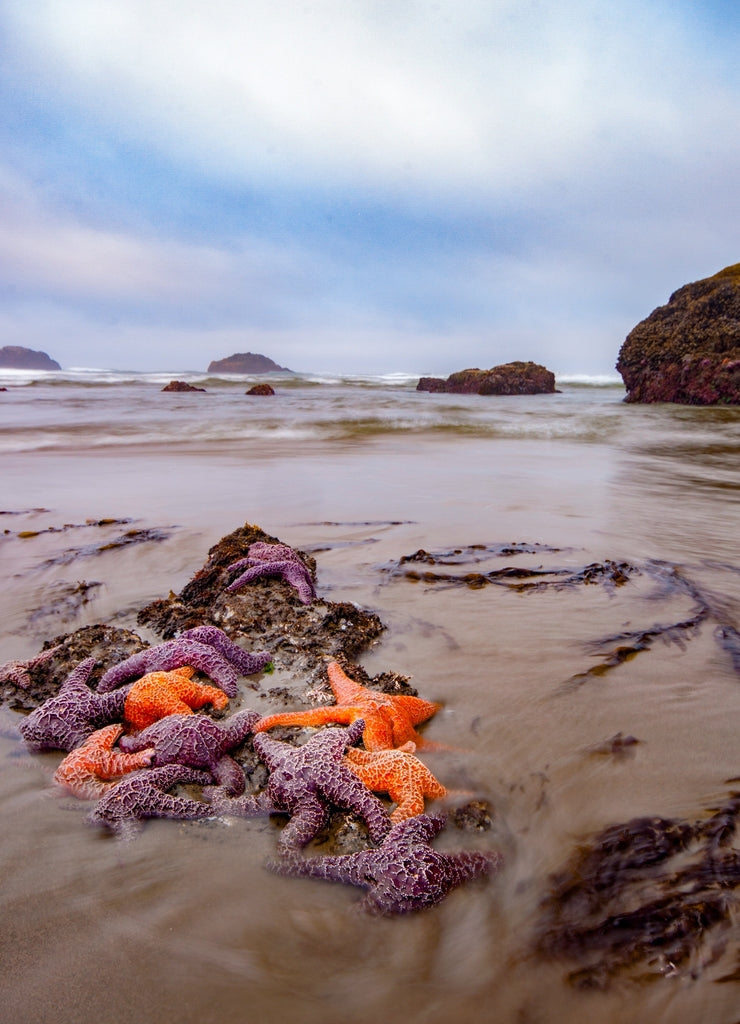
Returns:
point(184, 923)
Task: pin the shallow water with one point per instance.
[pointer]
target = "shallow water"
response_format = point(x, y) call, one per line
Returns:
point(184, 923)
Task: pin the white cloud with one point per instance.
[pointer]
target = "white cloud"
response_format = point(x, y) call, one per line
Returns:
point(459, 93)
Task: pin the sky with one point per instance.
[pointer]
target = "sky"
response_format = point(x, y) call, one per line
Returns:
point(360, 186)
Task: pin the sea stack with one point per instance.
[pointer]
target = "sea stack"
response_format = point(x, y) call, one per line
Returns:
point(688, 351)
point(517, 378)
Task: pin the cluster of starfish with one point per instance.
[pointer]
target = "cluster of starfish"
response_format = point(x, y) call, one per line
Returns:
point(136, 738)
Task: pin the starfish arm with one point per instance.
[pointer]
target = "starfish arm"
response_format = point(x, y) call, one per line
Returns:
point(229, 775)
point(349, 868)
point(408, 804)
point(252, 573)
point(294, 572)
point(300, 578)
point(313, 716)
point(246, 663)
point(308, 818)
point(345, 790)
point(64, 721)
point(238, 727)
point(346, 690)
point(467, 865)
point(197, 695)
point(259, 806)
point(109, 706)
point(421, 829)
point(174, 654)
point(378, 733)
point(416, 709)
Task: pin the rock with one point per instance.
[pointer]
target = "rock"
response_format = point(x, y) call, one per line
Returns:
point(15, 357)
point(261, 389)
point(180, 385)
point(245, 362)
point(517, 378)
point(688, 351)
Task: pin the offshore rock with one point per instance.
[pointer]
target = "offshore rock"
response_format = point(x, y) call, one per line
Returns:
point(245, 362)
point(261, 389)
point(517, 378)
point(16, 357)
point(180, 385)
point(688, 351)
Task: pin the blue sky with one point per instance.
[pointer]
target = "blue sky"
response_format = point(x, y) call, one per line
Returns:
point(359, 186)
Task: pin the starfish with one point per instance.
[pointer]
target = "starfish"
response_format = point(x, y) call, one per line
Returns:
point(87, 771)
point(144, 794)
point(159, 694)
point(304, 781)
point(274, 560)
point(198, 742)
point(402, 875)
point(399, 774)
point(18, 672)
point(389, 720)
point(64, 721)
point(205, 648)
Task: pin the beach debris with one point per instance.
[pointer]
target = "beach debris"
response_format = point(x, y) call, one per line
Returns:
point(145, 794)
point(198, 742)
point(404, 874)
point(90, 770)
point(389, 720)
point(652, 896)
point(303, 782)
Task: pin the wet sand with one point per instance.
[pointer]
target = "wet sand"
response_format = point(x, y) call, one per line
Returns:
point(184, 923)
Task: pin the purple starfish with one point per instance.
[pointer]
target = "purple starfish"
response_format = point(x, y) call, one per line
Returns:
point(304, 781)
point(404, 874)
point(143, 794)
point(18, 672)
point(216, 656)
point(66, 720)
point(274, 560)
point(198, 742)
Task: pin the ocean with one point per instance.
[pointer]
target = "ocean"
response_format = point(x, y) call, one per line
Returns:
point(605, 695)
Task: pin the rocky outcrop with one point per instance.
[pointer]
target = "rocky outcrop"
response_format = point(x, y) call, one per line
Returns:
point(180, 385)
point(517, 378)
point(261, 389)
point(688, 351)
point(245, 362)
point(16, 357)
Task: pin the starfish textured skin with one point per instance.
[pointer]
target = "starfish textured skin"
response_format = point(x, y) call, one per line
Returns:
point(144, 794)
point(389, 720)
point(88, 771)
point(399, 774)
point(18, 672)
point(198, 742)
point(189, 650)
point(274, 560)
point(65, 721)
point(404, 874)
point(159, 694)
point(304, 781)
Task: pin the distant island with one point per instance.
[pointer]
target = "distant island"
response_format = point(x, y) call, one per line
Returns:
point(246, 362)
point(16, 357)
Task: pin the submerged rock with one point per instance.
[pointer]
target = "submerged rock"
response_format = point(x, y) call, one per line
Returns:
point(688, 351)
point(180, 385)
point(517, 378)
point(261, 389)
point(16, 357)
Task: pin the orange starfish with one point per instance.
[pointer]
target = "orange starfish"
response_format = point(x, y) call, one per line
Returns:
point(90, 770)
point(389, 720)
point(399, 774)
point(159, 694)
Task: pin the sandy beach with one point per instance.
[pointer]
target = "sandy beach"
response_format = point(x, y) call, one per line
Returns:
point(184, 923)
